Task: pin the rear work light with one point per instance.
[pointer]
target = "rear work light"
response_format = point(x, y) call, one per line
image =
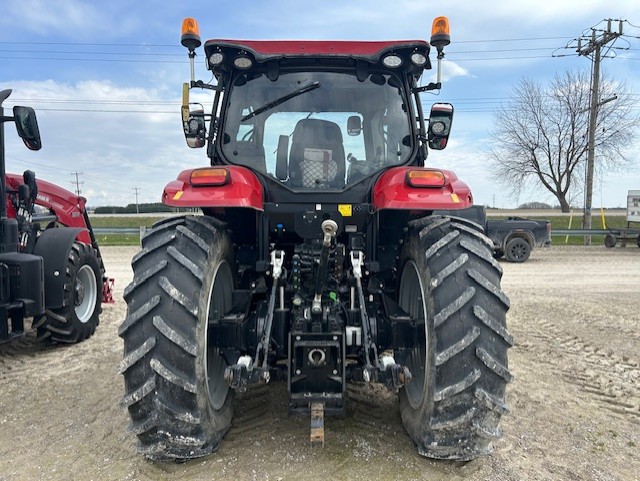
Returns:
point(213, 176)
point(418, 59)
point(242, 62)
point(392, 61)
point(216, 58)
point(425, 178)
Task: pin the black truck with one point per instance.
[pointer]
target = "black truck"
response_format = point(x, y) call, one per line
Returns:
point(513, 237)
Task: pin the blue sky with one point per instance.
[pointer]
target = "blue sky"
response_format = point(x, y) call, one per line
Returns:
point(105, 78)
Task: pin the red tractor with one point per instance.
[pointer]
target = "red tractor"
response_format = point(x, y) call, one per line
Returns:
point(50, 264)
point(316, 260)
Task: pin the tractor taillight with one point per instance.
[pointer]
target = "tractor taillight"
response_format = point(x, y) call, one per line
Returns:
point(425, 178)
point(210, 176)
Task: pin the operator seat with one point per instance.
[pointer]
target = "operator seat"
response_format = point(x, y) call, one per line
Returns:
point(316, 159)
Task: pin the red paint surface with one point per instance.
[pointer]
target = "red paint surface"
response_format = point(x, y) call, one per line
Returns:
point(392, 192)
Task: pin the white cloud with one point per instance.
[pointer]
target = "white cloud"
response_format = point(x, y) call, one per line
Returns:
point(73, 18)
point(132, 143)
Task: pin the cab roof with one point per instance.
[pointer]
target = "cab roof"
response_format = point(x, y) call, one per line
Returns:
point(264, 50)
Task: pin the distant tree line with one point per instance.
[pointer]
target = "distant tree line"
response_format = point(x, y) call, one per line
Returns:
point(535, 205)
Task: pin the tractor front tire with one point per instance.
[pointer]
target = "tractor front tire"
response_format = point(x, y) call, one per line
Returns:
point(450, 285)
point(79, 316)
point(178, 401)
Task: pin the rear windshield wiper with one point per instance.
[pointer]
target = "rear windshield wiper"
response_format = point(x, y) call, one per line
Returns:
point(280, 100)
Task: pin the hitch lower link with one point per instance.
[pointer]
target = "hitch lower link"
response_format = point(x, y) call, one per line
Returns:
point(251, 371)
point(385, 369)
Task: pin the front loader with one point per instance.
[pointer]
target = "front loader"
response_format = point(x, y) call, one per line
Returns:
point(316, 260)
point(50, 265)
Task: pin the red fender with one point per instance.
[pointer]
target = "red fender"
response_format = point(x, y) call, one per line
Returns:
point(243, 189)
point(392, 191)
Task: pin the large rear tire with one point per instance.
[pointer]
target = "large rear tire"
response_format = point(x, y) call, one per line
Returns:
point(79, 316)
point(179, 404)
point(450, 284)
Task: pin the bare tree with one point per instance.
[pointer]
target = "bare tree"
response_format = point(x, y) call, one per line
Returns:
point(540, 135)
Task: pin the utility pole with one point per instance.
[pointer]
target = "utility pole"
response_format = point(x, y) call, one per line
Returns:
point(136, 189)
point(594, 46)
point(77, 181)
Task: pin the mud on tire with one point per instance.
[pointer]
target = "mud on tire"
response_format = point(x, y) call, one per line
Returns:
point(450, 283)
point(183, 276)
point(78, 318)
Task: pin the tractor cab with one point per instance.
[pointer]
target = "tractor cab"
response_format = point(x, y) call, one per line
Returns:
point(316, 130)
point(314, 116)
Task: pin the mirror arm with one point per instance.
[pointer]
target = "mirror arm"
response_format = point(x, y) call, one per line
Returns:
point(202, 85)
point(4, 118)
point(421, 133)
point(430, 86)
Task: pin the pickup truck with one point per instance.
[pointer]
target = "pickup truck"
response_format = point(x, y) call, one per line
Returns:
point(513, 237)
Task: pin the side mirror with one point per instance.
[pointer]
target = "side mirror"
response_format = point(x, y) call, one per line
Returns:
point(440, 125)
point(195, 131)
point(27, 127)
point(354, 125)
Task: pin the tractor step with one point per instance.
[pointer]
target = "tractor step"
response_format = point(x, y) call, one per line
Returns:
point(317, 425)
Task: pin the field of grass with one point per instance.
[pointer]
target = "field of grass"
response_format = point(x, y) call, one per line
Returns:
point(121, 222)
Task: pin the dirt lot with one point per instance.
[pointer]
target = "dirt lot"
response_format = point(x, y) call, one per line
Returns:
point(575, 399)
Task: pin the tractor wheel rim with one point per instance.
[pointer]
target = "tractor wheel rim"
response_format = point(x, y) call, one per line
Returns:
point(412, 299)
point(214, 364)
point(86, 293)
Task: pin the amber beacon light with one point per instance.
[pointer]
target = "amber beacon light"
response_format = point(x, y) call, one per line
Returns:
point(190, 37)
point(440, 33)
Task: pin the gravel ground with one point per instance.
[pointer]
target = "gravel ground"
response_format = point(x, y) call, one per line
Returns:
point(575, 399)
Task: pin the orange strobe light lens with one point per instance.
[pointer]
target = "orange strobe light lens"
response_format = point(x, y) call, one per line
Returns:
point(190, 34)
point(440, 34)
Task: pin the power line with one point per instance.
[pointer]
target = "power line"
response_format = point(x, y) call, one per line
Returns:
point(146, 54)
point(84, 44)
point(56, 59)
point(152, 45)
point(104, 111)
